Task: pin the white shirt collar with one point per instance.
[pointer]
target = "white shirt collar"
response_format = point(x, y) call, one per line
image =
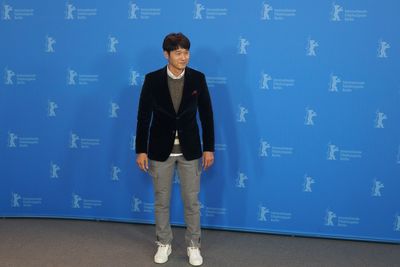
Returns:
point(170, 74)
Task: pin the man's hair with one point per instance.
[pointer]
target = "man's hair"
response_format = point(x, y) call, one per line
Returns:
point(175, 41)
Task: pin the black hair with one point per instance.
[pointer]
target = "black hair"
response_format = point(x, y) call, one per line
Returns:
point(175, 41)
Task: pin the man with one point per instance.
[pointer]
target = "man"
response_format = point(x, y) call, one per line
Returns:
point(167, 137)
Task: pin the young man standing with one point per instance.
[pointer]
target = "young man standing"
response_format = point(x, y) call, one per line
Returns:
point(167, 137)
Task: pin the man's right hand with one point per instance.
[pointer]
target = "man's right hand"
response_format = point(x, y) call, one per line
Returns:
point(142, 161)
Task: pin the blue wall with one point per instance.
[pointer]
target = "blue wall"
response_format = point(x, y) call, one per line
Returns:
point(307, 109)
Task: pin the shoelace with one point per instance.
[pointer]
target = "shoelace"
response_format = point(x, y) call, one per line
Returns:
point(161, 244)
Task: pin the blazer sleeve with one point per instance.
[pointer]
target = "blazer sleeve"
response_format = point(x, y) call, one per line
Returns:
point(206, 116)
point(144, 115)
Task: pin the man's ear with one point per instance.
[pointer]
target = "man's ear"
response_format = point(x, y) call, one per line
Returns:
point(166, 54)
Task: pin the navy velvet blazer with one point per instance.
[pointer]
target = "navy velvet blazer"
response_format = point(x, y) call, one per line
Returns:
point(157, 121)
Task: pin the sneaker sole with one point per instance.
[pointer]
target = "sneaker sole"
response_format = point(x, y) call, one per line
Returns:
point(196, 264)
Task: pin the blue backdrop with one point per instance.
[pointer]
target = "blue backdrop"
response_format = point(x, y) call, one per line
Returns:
point(306, 97)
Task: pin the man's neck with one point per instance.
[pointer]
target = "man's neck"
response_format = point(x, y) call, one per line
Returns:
point(176, 73)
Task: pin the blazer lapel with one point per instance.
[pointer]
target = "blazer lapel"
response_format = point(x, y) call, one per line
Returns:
point(164, 92)
point(186, 88)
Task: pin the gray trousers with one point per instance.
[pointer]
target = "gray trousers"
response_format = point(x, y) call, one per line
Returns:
point(189, 174)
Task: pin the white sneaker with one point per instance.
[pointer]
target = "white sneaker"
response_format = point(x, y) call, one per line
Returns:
point(163, 252)
point(195, 257)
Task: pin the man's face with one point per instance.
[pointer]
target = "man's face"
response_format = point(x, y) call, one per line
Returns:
point(178, 59)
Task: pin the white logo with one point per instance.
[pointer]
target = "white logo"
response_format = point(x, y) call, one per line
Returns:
point(15, 198)
point(243, 44)
point(50, 41)
point(111, 44)
point(133, 8)
point(71, 75)
point(8, 76)
point(136, 202)
point(330, 215)
point(240, 180)
point(336, 9)
point(263, 148)
point(337, 84)
point(265, 78)
point(14, 141)
point(312, 44)
point(114, 173)
point(135, 13)
point(11, 139)
point(6, 12)
point(73, 78)
point(383, 46)
point(51, 108)
point(242, 112)
point(69, 11)
point(310, 114)
point(113, 110)
point(266, 8)
point(333, 85)
point(397, 222)
point(376, 188)
point(332, 149)
point(54, 168)
point(133, 78)
point(73, 140)
point(75, 201)
point(72, 12)
point(262, 213)
point(198, 8)
point(308, 181)
point(380, 116)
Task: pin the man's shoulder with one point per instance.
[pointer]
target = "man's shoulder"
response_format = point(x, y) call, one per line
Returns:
point(194, 73)
point(156, 73)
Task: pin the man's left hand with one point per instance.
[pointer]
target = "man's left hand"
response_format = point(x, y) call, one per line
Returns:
point(208, 159)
